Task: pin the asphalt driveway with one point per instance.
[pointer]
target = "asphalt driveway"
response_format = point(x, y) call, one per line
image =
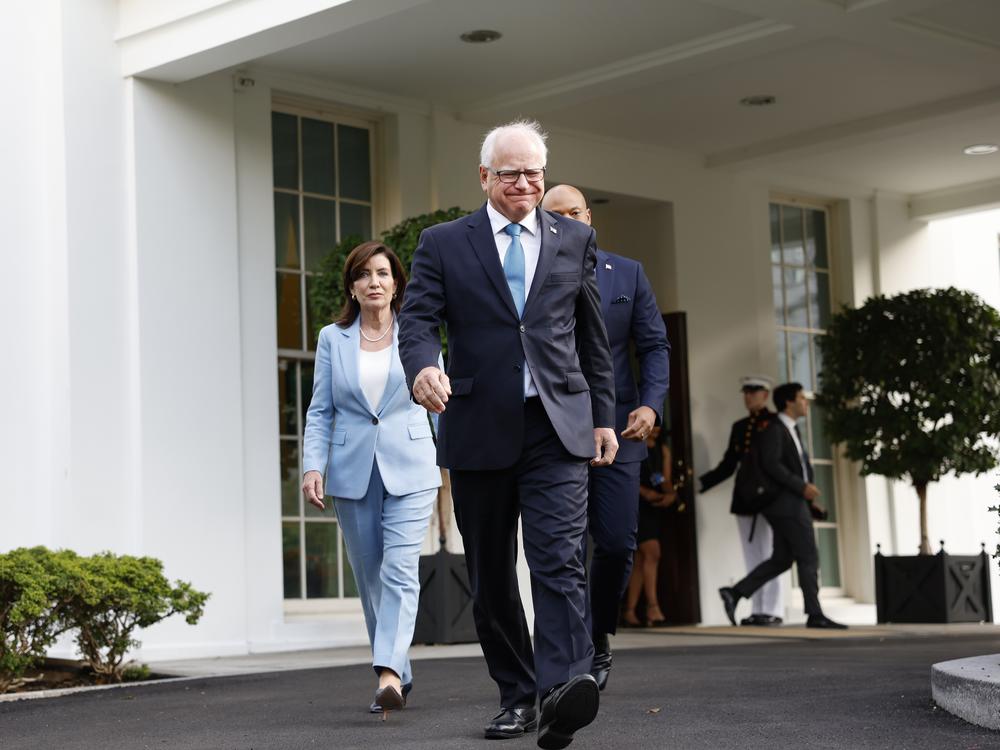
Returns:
point(838, 694)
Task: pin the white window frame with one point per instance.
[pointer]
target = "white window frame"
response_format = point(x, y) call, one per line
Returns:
point(302, 606)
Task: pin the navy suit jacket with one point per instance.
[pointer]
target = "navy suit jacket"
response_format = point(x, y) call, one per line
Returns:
point(457, 280)
point(630, 313)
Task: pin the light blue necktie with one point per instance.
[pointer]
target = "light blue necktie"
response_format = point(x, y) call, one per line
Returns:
point(513, 266)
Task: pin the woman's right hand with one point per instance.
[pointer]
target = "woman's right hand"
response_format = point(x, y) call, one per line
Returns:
point(312, 488)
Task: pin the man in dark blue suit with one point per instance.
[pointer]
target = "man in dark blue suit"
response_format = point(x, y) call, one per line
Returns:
point(630, 315)
point(527, 401)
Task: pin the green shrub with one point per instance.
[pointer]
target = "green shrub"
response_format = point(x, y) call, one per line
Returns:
point(115, 594)
point(34, 588)
point(104, 598)
point(136, 673)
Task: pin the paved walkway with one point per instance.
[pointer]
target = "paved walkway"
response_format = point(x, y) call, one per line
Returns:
point(677, 688)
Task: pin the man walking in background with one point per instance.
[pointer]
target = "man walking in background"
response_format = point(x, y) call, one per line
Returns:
point(784, 459)
point(630, 315)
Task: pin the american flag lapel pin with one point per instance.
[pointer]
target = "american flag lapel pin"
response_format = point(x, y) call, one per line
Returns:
point(608, 266)
point(553, 230)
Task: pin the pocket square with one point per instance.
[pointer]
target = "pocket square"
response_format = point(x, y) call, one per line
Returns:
point(623, 299)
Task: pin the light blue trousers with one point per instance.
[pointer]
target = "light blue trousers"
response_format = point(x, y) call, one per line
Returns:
point(383, 534)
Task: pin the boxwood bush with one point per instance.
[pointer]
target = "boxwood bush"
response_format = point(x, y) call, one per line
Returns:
point(102, 599)
point(34, 587)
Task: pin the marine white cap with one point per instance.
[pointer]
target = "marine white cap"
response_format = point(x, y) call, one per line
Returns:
point(756, 381)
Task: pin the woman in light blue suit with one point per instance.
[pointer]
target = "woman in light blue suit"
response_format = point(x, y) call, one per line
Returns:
point(374, 446)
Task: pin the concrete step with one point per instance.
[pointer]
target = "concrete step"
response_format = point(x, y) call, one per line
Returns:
point(840, 608)
point(969, 688)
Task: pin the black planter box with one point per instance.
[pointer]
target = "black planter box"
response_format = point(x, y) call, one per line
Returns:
point(933, 588)
point(445, 611)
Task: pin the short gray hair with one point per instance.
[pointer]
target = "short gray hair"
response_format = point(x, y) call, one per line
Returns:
point(530, 128)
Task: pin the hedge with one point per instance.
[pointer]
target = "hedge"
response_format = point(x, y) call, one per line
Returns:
point(102, 599)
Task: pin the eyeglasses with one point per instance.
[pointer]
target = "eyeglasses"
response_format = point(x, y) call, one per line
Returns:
point(513, 175)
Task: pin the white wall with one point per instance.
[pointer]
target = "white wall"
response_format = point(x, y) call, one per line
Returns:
point(136, 16)
point(70, 482)
point(101, 509)
point(34, 383)
point(190, 350)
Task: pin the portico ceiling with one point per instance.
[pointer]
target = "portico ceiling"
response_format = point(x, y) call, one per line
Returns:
point(881, 94)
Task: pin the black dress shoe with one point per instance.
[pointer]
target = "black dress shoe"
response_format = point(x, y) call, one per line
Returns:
point(729, 601)
point(512, 722)
point(822, 621)
point(567, 708)
point(761, 620)
point(375, 708)
point(602, 660)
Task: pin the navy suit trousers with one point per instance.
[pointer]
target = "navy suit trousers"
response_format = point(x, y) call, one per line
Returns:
point(547, 488)
point(613, 512)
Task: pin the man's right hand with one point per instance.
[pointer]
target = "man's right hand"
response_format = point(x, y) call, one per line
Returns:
point(431, 389)
point(811, 491)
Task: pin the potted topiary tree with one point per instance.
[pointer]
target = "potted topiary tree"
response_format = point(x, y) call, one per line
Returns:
point(445, 609)
point(911, 390)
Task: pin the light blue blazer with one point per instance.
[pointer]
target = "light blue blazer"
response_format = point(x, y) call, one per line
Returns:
point(344, 434)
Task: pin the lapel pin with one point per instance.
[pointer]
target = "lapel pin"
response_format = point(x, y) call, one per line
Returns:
point(553, 230)
point(608, 266)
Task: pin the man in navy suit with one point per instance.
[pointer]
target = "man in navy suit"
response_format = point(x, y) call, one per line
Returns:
point(630, 315)
point(527, 401)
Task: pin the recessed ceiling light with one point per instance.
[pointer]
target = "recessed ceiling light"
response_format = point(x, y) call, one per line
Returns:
point(981, 149)
point(758, 100)
point(481, 36)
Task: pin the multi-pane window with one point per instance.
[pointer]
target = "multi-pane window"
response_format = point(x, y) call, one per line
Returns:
point(322, 192)
point(800, 273)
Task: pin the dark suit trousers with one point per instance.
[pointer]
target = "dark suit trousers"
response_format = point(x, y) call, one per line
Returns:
point(793, 542)
point(547, 487)
point(613, 512)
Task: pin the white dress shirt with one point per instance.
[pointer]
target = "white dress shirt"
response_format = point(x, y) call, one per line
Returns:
point(531, 242)
point(790, 426)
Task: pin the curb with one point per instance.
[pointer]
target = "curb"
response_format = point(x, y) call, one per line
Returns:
point(59, 692)
point(969, 688)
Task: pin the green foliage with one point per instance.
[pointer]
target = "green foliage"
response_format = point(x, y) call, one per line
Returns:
point(136, 673)
point(911, 386)
point(403, 237)
point(326, 286)
point(103, 598)
point(115, 594)
point(33, 590)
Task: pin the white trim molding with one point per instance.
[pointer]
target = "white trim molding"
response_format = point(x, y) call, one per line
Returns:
point(964, 199)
